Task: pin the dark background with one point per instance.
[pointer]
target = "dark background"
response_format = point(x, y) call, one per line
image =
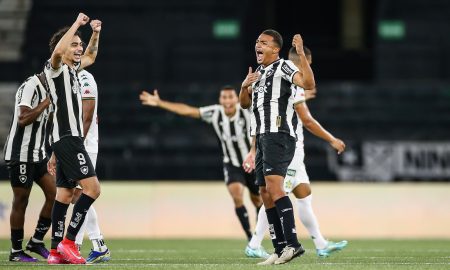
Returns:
point(371, 85)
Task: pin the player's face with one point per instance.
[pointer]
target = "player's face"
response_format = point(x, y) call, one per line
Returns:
point(75, 51)
point(228, 99)
point(266, 50)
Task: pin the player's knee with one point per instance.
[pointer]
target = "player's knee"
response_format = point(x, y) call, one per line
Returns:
point(20, 203)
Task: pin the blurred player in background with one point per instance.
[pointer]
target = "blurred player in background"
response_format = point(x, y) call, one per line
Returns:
point(26, 161)
point(232, 126)
point(297, 180)
point(89, 93)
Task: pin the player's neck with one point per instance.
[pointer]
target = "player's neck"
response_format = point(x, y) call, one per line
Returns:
point(271, 61)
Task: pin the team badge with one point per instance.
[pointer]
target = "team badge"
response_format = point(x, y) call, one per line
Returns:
point(22, 179)
point(269, 73)
point(84, 170)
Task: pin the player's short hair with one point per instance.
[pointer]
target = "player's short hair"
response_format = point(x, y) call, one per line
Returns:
point(58, 35)
point(228, 87)
point(277, 38)
point(293, 51)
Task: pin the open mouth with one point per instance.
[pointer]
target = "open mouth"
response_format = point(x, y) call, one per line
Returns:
point(259, 55)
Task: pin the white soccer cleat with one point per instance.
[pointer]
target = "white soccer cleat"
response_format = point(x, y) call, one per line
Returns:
point(271, 260)
point(289, 253)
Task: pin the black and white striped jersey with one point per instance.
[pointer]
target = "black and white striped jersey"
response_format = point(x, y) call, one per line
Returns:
point(271, 104)
point(65, 96)
point(27, 144)
point(233, 133)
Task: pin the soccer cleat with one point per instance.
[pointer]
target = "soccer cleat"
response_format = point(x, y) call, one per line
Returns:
point(38, 248)
point(290, 253)
point(331, 247)
point(98, 257)
point(269, 261)
point(21, 256)
point(55, 258)
point(69, 251)
point(256, 252)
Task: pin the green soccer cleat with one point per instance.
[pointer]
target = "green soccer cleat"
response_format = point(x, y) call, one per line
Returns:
point(256, 252)
point(331, 247)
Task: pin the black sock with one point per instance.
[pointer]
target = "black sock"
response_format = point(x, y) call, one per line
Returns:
point(59, 212)
point(286, 213)
point(16, 239)
point(275, 230)
point(79, 213)
point(242, 214)
point(42, 228)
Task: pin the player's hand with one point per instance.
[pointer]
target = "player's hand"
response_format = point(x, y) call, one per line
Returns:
point(249, 162)
point(310, 94)
point(250, 79)
point(82, 19)
point(51, 165)
point(149, 99)
point(338, 144)
point(297, 42)
point(96, 25)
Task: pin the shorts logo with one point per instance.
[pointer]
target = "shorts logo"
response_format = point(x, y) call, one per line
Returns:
point(84, 170)
point(22, 179)
point(291, 172)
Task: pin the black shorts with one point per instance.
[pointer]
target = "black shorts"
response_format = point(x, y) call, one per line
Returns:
point(72, 162)
point(234, 174)
point(274, 153)
point(23, 174)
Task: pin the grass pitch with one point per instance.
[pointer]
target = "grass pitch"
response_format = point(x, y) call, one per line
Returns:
point(229, 254)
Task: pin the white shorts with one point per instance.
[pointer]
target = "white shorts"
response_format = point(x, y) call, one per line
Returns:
point(296, 172)
point(93, 158)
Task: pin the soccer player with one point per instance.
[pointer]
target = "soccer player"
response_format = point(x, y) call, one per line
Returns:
point(297, 180)
point(268, 91)
point(26, 161)
point(70, 161)
point(100, 252)
point(232, 126)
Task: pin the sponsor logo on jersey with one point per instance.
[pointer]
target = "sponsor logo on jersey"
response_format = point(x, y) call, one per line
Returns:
point(287, 69)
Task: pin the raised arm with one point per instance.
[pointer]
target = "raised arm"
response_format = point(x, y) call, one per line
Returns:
point(304, 78)
point(90, 54)
point(246, 89)
point(65, 41)
point(178, 108)
point(315, 128)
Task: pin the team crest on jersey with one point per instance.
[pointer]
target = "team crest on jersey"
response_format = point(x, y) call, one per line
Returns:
point(84, 170)
point(269, 73)
point(22, 179)
point(75, 88)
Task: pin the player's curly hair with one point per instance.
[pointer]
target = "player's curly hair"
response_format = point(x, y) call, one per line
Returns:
point(58, 35)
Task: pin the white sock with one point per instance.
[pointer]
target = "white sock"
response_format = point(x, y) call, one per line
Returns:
point(262, 226)
point(93, 231)
point(309, 220)
point(80, 234)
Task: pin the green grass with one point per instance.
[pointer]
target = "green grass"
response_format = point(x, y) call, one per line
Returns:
point(228, 254)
